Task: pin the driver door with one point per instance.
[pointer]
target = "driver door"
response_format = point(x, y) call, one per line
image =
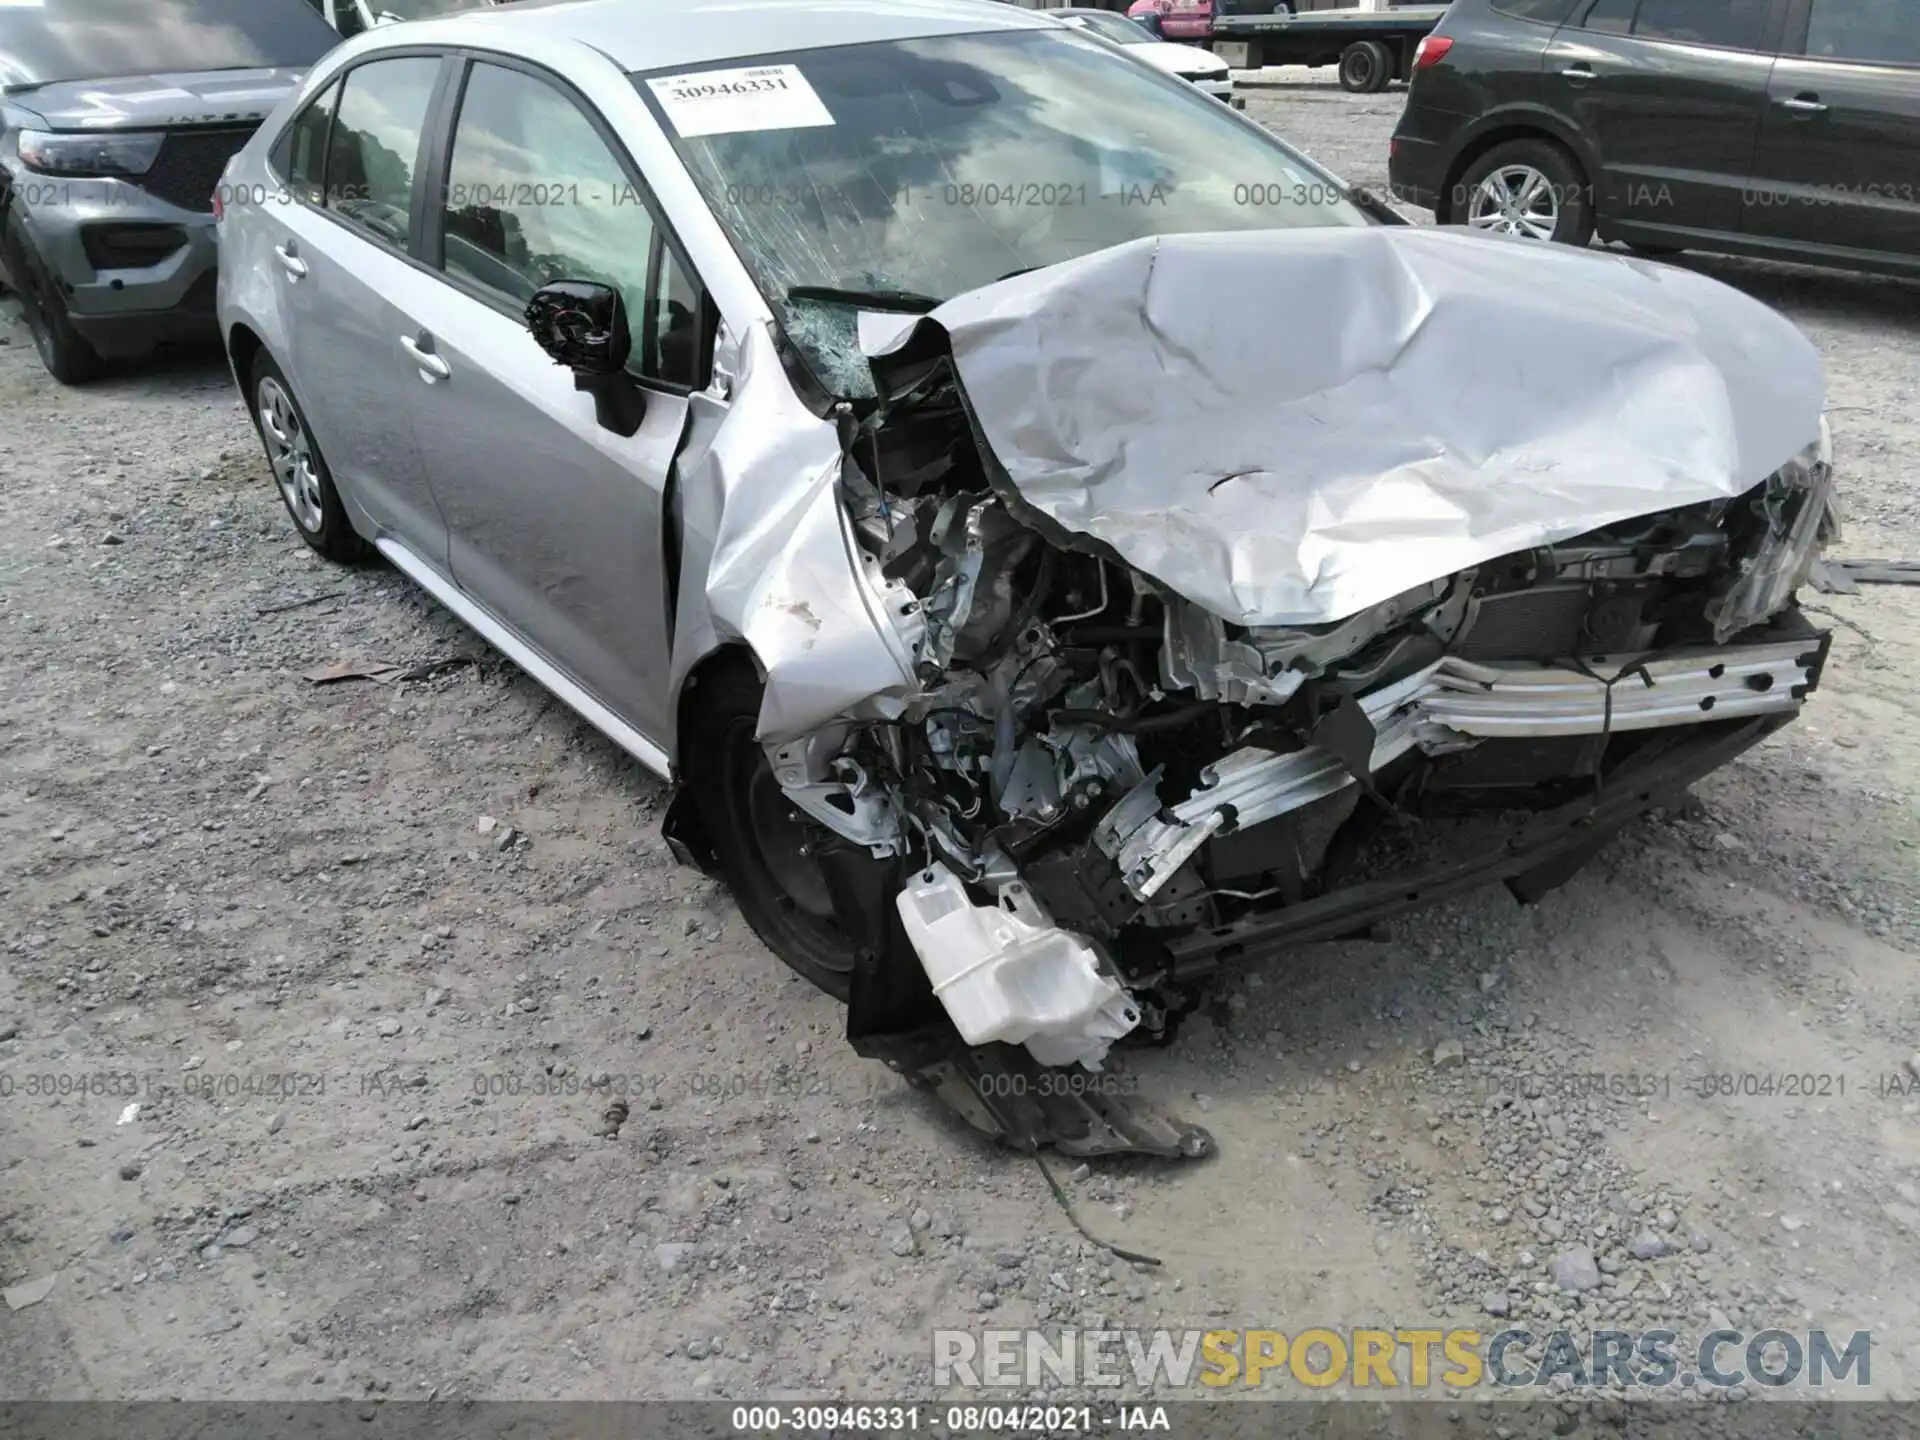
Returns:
point(557, 526)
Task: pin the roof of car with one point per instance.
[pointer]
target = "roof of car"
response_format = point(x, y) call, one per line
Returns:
point(650, 34)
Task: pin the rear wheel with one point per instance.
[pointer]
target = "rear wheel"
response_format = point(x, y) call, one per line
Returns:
point(62, 349)
point(1365, 67)
point(299, 470)
point(1529, 188)
point(765, 846)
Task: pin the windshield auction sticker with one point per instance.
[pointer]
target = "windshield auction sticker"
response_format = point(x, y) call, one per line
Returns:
point(725, 102)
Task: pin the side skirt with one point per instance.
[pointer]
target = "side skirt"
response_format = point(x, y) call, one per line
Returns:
point(517, 650)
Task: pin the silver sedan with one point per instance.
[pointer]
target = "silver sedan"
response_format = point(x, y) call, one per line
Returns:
point(1041, 523)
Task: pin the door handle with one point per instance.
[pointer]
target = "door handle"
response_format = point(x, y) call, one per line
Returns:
point(432, 368)
point(1804, 105)
point(1579, 71)
point(290, 261)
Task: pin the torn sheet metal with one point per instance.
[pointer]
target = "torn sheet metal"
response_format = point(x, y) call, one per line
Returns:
point(1287, 427)
point(786, 576)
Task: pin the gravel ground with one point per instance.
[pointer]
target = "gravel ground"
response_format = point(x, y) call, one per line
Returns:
point(337, 943)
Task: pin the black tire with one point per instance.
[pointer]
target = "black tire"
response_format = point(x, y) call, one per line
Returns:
point(313, 504)
point(62, 349)
point(1572, 196)
point(743, 811)
point(1365, 67)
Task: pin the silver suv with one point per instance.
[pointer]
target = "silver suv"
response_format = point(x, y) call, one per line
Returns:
point(116, 119)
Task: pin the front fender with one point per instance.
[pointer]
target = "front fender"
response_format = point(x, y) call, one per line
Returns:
point(768, 558)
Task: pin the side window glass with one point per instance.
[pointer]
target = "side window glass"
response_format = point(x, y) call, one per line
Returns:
point(1883, 32)
point(375, 140)
point(1611, 17)
point(302, 154)
point(1733, 24)
point(535, 195)
point(673, 325)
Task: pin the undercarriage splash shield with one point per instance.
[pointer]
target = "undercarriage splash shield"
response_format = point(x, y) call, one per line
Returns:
point(1287, 427)
point(1002, 1091)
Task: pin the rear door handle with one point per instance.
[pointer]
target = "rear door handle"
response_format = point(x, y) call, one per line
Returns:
point(1804, 105)
point(432, 368)
point(290, 261)
point(1579, 71)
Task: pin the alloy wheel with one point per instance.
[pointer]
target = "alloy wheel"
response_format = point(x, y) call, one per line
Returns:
point(1515, 200)
point(290, 454)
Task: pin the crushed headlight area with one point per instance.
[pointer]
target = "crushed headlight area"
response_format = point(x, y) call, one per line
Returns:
point(1161, 720)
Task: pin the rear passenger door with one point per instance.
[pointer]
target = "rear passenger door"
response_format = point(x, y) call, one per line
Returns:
point(557, 524)
point(1839, 158)
point(1669, 94)
point(351, 161)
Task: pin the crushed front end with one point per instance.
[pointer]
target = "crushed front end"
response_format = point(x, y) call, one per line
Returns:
point(1099, 789)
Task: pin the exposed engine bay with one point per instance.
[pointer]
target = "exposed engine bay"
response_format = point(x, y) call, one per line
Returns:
point(1101, 767)
point(1184, 684)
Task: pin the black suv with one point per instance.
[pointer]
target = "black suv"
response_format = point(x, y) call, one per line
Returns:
point(1787, 129)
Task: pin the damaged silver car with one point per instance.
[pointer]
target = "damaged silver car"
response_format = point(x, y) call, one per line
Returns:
point(1058, 541)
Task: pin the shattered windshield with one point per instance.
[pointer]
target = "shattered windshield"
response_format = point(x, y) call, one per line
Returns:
point(920, 169)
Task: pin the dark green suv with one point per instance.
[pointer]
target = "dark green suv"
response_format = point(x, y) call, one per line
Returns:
point(1788, 129)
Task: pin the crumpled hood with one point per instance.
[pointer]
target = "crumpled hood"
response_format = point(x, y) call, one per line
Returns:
point(1288, 427)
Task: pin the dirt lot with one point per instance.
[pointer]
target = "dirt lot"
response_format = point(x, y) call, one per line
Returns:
point(335, 942)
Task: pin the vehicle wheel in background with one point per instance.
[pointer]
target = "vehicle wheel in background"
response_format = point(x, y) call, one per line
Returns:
point(298, 467)
point(1530, 188)
point(1365, 67)
point(762, 843)
point(62, 349)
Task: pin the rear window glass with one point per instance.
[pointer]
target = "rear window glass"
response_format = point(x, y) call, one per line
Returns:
point(1734, 24)
point(102, 39)
point(1884, 32)
point(1614, 17)
point(375, 139)
point(1547, 12)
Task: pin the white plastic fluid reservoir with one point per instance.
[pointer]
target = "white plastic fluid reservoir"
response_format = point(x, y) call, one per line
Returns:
point(1005, 973)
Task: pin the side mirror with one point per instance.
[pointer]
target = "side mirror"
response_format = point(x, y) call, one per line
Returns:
point(583, 326)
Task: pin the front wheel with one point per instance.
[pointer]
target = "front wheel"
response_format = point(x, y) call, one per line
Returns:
point(63, 350)
point(1365, 67)
point(765, 846)
point(1529, 188)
